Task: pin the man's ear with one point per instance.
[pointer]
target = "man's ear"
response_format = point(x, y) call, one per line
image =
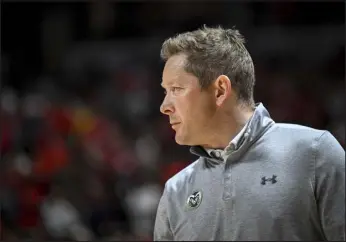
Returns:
point(223, 88)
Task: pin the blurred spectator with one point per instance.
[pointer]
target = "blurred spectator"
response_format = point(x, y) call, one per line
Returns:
point(61, 219)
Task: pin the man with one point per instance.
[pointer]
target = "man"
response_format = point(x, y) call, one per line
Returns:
point(255, 179)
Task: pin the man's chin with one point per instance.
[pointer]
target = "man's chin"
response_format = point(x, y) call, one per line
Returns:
point(179, 140)
point(183, 141)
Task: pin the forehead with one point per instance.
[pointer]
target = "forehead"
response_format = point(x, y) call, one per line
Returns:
point(176, 61)
point(174, 66)
point(174, 72)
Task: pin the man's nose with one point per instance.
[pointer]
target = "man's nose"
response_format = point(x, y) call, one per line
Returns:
point(166, 106)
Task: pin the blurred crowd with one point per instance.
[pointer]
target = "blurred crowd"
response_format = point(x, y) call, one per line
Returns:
point(84, 149)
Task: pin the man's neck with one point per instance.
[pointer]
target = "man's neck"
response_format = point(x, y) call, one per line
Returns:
point(228, 127)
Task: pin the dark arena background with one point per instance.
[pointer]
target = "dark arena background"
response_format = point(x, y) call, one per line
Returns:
point(84, 149)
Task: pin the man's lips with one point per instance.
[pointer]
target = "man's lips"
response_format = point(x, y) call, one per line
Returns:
point(174, 125)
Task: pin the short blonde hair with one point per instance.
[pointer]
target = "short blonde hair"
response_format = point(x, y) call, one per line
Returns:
point(212, 52)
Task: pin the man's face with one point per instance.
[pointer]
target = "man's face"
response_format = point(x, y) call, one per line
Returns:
point(190, 109)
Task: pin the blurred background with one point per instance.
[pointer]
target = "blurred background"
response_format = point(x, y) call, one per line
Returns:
point(84, 149)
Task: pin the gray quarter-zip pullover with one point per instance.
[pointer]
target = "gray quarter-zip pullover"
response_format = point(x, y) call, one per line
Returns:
point(279, 182)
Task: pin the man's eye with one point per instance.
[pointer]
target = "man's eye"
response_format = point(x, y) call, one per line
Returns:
point(175, 89)
point(172, 90)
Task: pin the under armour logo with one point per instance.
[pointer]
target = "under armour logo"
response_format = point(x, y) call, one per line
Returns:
point(272, 180)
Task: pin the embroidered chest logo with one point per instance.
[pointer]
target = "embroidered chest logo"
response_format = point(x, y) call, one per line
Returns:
point(194, 200)
point(272, 180)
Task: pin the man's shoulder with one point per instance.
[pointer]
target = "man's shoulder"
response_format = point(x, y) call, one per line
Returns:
point(183, 177)
point(302, 138)
point(298, 131)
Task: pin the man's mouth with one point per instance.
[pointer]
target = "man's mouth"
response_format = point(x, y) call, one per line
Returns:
point(174, 125)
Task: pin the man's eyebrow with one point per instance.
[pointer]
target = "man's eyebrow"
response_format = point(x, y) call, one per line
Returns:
point(169, 83)
point(166, 84)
